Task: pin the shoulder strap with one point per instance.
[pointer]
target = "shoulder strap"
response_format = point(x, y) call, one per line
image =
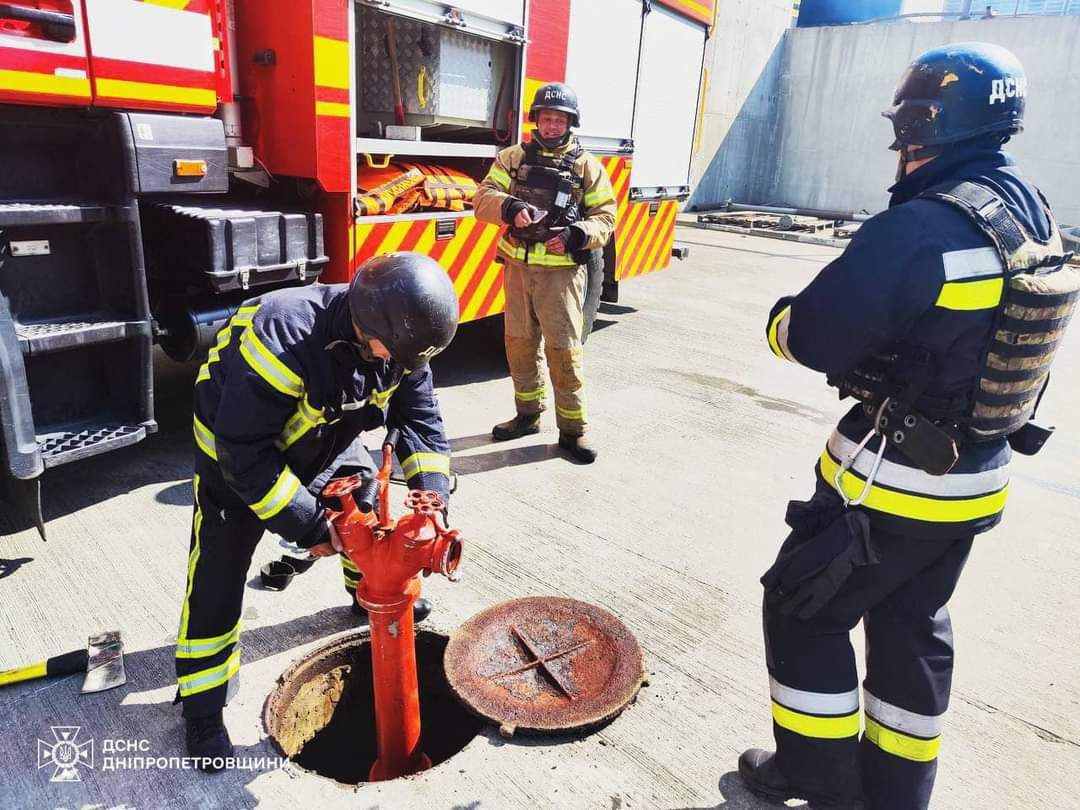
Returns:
point(986, 209)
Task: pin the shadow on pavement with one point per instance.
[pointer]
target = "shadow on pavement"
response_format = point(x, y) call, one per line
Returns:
point(128, 713)
point(735, 796)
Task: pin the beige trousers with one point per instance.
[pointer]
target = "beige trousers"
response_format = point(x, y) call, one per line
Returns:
point(545, 303)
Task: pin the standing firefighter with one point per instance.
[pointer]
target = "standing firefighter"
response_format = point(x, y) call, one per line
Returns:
point(280, 403)
point(558, 203)
point(942, 318)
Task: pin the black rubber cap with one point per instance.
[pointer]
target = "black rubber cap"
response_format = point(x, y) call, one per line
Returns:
point(276, 575)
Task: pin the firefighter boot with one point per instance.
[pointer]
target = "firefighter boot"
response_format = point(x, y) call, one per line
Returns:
point(762, 777)
point(208, 742)
point(421, 609)
point(524, 424)
point(580, 447)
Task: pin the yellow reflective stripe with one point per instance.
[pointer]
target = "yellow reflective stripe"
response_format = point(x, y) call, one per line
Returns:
point(25, 81)
point(205, 647)
point(305, 418)
point(350, 583)
point(531, 396)
point(331, 63)
point(425, 463)
point(810, 725)
point(151, 91)
point(207, 679)
point(243, 317)
point(971, 295)
point(380, 399)
point(598, 197)
point(205, 439)
point(511, 250)
point(915, 507)
point(566, 413)
point(266, 365)
point(193, 559)
point(499, 178)
point(334, 109)
point(348, 564)
point(537, 255)
point(278, 497)
point(778, 348)
point(901, 745)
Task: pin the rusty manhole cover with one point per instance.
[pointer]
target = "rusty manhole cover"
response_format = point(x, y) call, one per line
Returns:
point(544, 664)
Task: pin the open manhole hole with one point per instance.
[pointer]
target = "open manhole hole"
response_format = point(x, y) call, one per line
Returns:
point(321, 715)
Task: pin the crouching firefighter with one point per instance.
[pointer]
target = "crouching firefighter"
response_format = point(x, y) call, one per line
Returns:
point(942, 318)
point(558, 204)
point(280, 403)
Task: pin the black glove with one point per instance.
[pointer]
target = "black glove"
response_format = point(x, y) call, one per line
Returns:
point(573, 238)
point(511, 207)
point(807, 575)
point(318, 534)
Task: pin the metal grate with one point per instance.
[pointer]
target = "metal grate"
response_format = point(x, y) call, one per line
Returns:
point(57, 444)
point(28, 331)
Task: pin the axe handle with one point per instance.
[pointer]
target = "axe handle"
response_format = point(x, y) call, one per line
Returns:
point(66, 664)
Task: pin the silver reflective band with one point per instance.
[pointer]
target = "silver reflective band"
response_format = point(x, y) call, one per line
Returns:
point(912, 479)
point(973, 263)
point(825, 703)
point(919, 725)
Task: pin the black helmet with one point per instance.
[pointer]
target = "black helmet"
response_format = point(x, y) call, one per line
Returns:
point(958, 92)
point(559, 97)
point(406, 301)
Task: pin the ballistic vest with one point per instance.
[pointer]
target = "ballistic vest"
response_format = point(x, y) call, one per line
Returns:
point(1039, 290)
point(550, 184)
point(1039, 293)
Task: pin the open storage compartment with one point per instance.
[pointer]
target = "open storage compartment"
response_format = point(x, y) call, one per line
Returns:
point(438, 79)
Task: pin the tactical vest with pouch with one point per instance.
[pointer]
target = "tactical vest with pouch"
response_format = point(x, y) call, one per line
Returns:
point(1039, 294)
point(551, 185)
point(1039, 291)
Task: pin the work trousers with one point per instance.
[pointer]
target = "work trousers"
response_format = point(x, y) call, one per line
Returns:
point(814, 686)
point(545, 303)
point(224, 534)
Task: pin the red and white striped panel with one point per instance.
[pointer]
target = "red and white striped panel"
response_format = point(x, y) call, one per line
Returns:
point(153, 54)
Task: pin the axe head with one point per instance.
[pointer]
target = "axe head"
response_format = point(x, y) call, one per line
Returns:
point(105, 667)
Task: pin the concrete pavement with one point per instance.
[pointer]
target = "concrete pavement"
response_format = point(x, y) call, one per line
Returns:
point(704, 437)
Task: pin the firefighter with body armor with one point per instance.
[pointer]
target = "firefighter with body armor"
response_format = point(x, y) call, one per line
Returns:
point(557, 203)
point(280, 403)
point(942, 318)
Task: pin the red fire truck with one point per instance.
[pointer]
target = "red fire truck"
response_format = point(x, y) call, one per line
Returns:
point(162, 160)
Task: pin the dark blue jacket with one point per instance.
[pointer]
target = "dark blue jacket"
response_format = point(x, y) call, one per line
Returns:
point(283, 396)
point(918, 276)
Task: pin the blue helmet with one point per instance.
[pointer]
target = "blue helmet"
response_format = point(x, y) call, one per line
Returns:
point(958, 92)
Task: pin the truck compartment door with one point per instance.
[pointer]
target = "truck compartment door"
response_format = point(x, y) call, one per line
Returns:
point(669, 80)
point(43, 53)
point(155, 54)
point(601, 65)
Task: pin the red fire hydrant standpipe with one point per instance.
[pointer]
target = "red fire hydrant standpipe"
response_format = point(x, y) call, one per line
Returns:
point(390, 557)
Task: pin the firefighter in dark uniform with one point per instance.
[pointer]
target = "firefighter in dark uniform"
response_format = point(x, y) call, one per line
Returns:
point(942, 317)
point(557, 203)
point(280, 403)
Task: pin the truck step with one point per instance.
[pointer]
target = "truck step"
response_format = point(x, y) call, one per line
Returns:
point(54, 336)
point(62, 446)
point(19, 214)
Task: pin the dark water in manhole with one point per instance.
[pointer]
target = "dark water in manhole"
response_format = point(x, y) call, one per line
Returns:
point(328, 701)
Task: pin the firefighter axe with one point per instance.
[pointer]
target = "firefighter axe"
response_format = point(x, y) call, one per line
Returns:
point(102, 661)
